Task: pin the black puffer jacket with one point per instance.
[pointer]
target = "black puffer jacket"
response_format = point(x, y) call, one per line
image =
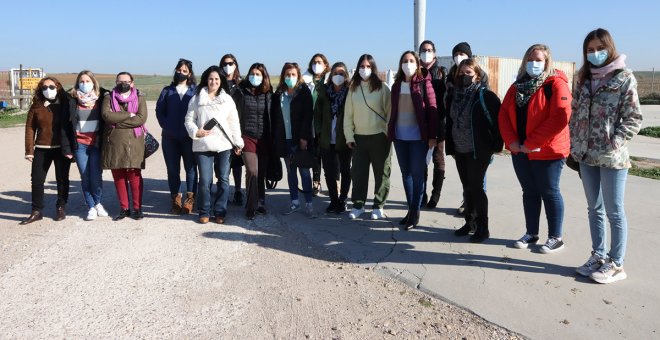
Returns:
point(439, 82)
point(253, 111)
point(301, 119)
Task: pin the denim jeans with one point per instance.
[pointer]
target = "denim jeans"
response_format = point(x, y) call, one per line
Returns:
point(173, 151)
point(292, 177)
point(207, 162)
point(539, 180)
point(604, 189)
point(88, 160)
point(412, 161)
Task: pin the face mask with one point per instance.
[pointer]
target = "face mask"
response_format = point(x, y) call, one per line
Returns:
point(49, 94)
point(180, 77)
point(466, 80)
point(338, 79)
point(365, 73)
point(409, 69)
point(318, 68)
point(123, 87)
point(459, 58)
point(85, 87)
point(535, 68)
point(255, 80)
point(597, 58)
point(290, 81)
point(427, 57)
point(229, 69)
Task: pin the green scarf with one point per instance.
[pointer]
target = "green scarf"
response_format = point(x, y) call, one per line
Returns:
point(526, 88)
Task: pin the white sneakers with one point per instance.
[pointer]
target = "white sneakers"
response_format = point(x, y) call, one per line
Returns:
point(593, 263)
point(378, 214)
point(609, 272)
point(97, 211)
point(355, 213)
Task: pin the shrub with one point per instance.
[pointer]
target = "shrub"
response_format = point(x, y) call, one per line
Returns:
point(650, 131)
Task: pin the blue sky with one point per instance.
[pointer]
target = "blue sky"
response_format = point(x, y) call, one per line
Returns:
point(148, 37)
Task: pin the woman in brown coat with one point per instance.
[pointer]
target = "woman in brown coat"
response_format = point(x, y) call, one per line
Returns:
point(124, 113)
point(42, 146)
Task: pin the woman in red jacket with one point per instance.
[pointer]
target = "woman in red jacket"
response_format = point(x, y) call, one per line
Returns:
point(533, 122)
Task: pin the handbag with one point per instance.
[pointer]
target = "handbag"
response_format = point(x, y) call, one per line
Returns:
point(151, 144)
point(273, 171)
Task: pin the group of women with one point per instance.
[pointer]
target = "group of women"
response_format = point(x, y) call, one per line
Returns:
point(326, 116)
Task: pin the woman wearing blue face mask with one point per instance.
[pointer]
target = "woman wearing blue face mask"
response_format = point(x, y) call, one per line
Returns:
point(292, 113)
point(533, 121)
point(606, 115)
point(81, 138)
point(252, 100)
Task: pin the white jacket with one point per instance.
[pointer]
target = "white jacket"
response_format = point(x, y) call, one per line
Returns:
point(201, 109)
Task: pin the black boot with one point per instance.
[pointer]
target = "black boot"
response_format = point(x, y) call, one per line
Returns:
point(404, 220)
point(123, 213)
point(438, 180)
point(341, 206)
point(482, 232)
point(332, 207)
point(413, 219)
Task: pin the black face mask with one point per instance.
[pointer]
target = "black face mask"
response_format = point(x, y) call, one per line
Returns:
point(123, 87)
point(465, 80)
point(180, 77)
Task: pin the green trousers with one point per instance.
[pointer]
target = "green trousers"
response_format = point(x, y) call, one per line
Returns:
point(374, 150)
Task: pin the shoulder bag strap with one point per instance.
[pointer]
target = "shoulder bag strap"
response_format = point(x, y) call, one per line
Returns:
point(365, 102)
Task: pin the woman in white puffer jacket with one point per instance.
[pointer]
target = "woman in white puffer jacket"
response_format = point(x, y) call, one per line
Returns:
point(214, 109)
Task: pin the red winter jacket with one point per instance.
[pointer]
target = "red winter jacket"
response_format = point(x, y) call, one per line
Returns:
point(547, 120)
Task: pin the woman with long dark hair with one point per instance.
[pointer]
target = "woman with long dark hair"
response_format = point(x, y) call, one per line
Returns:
point(232, 78)
point(315, 76)
point(171, 109)
point(42, 146)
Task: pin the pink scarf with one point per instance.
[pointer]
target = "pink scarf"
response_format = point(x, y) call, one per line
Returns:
point(132, 109)
point(602, 72)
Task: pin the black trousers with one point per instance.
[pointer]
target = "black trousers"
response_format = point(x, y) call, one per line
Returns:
point(41, 162)
point(472, 171)
point(336, 165)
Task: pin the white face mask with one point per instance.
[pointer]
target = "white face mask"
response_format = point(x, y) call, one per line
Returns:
point(229, 69)
point(49, 94)
point(318, 68)
point(255, 80)
point(427, 57)
point(365, 73)
point(409, 69)
point(338, 79)
point(459, 58)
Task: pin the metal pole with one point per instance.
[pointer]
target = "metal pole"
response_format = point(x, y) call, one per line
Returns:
point(419, 22)
point(653, 81)
point(20, 86)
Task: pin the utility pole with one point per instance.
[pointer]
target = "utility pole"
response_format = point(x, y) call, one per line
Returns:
point(20, 86)
point(653, 81)
point(420, 22)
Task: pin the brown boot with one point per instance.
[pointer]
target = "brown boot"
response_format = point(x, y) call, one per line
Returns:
point(34, 216)
point(188, 203)
point(176, 204)
point(60, 214)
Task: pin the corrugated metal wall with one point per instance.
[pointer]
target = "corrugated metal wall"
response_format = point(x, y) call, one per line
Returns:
point(502, 72)
point(4, 84)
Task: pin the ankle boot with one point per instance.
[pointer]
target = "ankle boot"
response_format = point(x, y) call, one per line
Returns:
point(438, 180)
point(188, 203)
point(413, 219)
point(404, 220)
point(60, 214)
point(467, 228)
point(176, 204)
point(482, 232)
point(34, 216)
point(341, 206)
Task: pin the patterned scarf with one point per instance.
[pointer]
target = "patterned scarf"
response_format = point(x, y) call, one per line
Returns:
point(336, 98)
point(132, 108)
point(462, 99)
point(526, 88)
point(86, 99)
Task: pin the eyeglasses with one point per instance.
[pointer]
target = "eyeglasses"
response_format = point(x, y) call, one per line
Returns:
point(231, 63)
point(48, 87)
point(186, 61)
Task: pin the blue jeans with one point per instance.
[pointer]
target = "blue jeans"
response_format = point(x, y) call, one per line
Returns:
point(292, 177)
point(173, 151)
point(412, 161)
point(604, 189)
point(88, 160)
point(206, 162)
point(539, 180)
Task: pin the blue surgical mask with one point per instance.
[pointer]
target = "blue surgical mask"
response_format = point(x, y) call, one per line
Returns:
point(597, 58)
point(255, 80)
point(85, 87)
point(535, 68)
point(290, 81)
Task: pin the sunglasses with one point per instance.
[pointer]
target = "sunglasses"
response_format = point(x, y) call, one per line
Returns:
point(186, 61)
point(48, 87)
point(231, 63)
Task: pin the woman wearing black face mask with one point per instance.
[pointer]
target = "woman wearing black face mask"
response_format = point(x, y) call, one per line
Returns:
point(472, 138)
point(171, 109)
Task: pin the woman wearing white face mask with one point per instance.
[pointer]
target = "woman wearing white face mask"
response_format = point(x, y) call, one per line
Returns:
point(42, 146)
point(253, 104)
point(329, 124)
point(606, 115)
point(316, 74)
point(366, 113)
point(232, 75)
point(533, 121)
point(81, 138)
point(413, 126)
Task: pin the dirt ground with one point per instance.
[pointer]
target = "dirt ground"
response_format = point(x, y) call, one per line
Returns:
point(169, 277)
